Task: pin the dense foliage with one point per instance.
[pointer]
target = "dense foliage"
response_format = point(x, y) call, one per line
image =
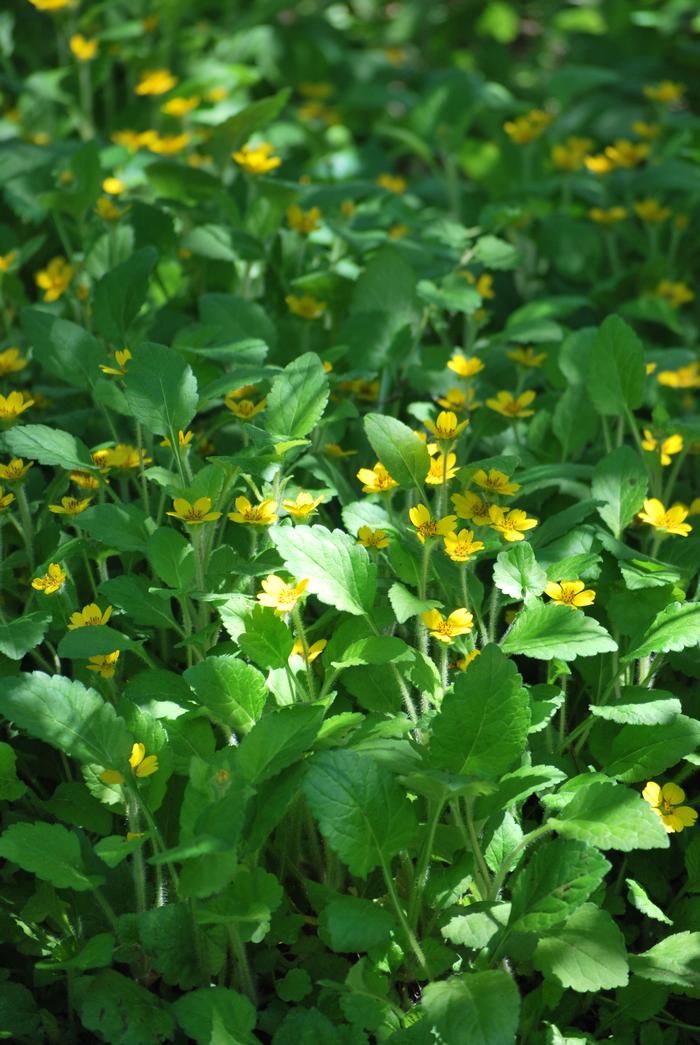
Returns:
point(349, 544)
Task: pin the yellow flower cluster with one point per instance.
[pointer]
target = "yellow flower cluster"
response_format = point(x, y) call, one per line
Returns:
point(527, 128)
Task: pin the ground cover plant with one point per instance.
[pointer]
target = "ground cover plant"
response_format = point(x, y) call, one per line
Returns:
point(349, 516)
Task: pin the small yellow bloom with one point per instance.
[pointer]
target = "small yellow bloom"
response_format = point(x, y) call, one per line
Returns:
point(461, 546)
point(142, 764)
point(194, 514)
point(360, 388)
point(15, 470)
point(5, 500)
point(336, 450)
point(370, 538)
point(85, 480)
point(495, 482)
point(673, 444)
point(427, 527)
point(113, 186)
point(441, 469)
point(82, 49)
point(257, 159)
point(11, 361)
point(179, 106)
point(569, 155)
point(304, 221)
point(169, 144)
point(217, 94)
point(512, 526)
point(624, 153)
point(676, 293)
point(183, 440)
point(684, 377)
point(376, 480)
point(646, 130)
point(398, 231)
point(124, 457)
point(668, 519)
point(90, 616)
point(465, 366)
point(155, 81)
point(305, 306)
point(527, 357)
point(446, 427)
point(472, 507)
point(279, 595)
point(55, 279)
point(70, 506)
point(106, 209)
point(315, 650)
point(509, 405)
point(113, 776)
point(445, 629)
point(527, 128)
point(392, 183)
point(665, 92)
point(599, 164)
point(12, 406)
point(243, 408)
point(651, 210)
point(303, 506)
point(483, 284)
point(51, 5)
point(570, 593)
point(607, 217)
point(7, 260)
point(52, 581)
point(262, 514)
point(666, 803)
point(462, 663)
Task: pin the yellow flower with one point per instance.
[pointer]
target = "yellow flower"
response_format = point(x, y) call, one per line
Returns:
point(89, 616)
point(13, 405)
point(180, 106)
point(651, 210)
point(113, 186)
point(315, 650)
point(527, 357)
point(124, 456)
point(142, 764)
point(472, 507)
point(336, 450)
point(169, 144)
point(304, 505)
point(279, 595)
point(462, 663)
point(11, 361)
point(217, 94)
point(669, 446)
point(483, 284)
point(465, 366)
point(261, 514)
point(495, 482)
point(599, 164)
point(183, 439)
point(70, 506)
point(569, 155)
point(155, 81)
point(666, 803)
point(304, 221)
point(106, 665)
point(392, 183)
point(665, 92)
point(55, 279)
point(512, 526)
point(676, 294)
point(441, 470)
point(305, 306)
point(446, 427)
point(194, 514)
point(570, 593)
point(376, 480)
point(7, 260)
point(426, 526)
point(684, 377)
point(366, 391)
point(85, 481)
point(398, 231)
point(461, 546)
point(624, 153)
point(445, 629)
point(646, 130)
point(370, 538)
point(527, 128)
point(52, 581)
point(607, 217)
point(106, 209)
point(668, 519)
point(257, 159)
point(694, 508)
point(5, 500)
point(50, 5)
point(512, 406)
point(15, 470)
point(82, 49)
point(243, 408)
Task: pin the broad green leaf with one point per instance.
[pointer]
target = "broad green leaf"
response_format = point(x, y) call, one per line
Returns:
point(517, 573)
point(676, 627)
point(247, 903)
point(574, 422)
point(674, 962)
point(495, 253)
point(482, 726)
point(464, 298)
point(97, 953)
point(10, 787)
point(172, 558)
point(616, 374)
point(516, 787)
point(376, 649)
point(643, 573)
point(120, 1011)
point(610, 816)
point(546, 630)
point(20, 635)
point(399, 449)
point(478, 926)
point(338, 569)
point(161, 390)
point(177, 949)
point(95, 640)
point(351, 924)
point(278, 740)
point(19, 1013)
point(586, 954)
point(121, 526)
point(639, 898)
point(68, 716)
point(72, 803)
point(267, 640)
point(620, 480)
point(49, 446)
point(297, 398)
point(114, 849)
point(130, 593)
point(216, 1014)
point(51, 852)
point(63, 349)
point(361, 811)
point(387, 285)
point(119, 295)
point(638, 706)
point(558, 878)
point(232, 691)
point(405, 604)
point(630, 753)
point(477, 1008)
point(236, 130)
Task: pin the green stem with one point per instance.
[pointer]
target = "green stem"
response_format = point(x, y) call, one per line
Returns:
point(238, 953)
point(301, 635)
point(421, 879)
point(403, 921)
point(27, 526)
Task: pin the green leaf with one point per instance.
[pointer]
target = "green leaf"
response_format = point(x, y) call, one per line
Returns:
point(93, 641)
point(247, 903)
point(517, 573)
point(68, 716)
point(121, 1012)
point(477, 1008)
point(20, 635)
point(405, 604)
point(495, 253)
point(231, 690)
point(638, 897)
point(267, 640)
point(49, 446)
point(119, 295)
point(338, 569)
point(10, 787)
point(643, 573)
point(161, 390)
point(478, 926)
point(638, 706)
point(51, 852)
point(95, 954)
point(216, 1014)
point(481, 729)
point(172, 557)
point(586, 954)
point(120, 526)
point(278, 740)
point(387, 285)
point(351, 924)
point(177, 948)
point(543, 631)
point(131, 594)
point(19, 1013)
point(62, 348)
point(631, 753)
point(399, 449)
point(610, 816)
point(238, 128)
point(376, 649)
point(558, 878)
point(616, 374)
point(297, 398)
point(674, 962)
point(361, 811)
point(676, 627)
point(620, 480)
